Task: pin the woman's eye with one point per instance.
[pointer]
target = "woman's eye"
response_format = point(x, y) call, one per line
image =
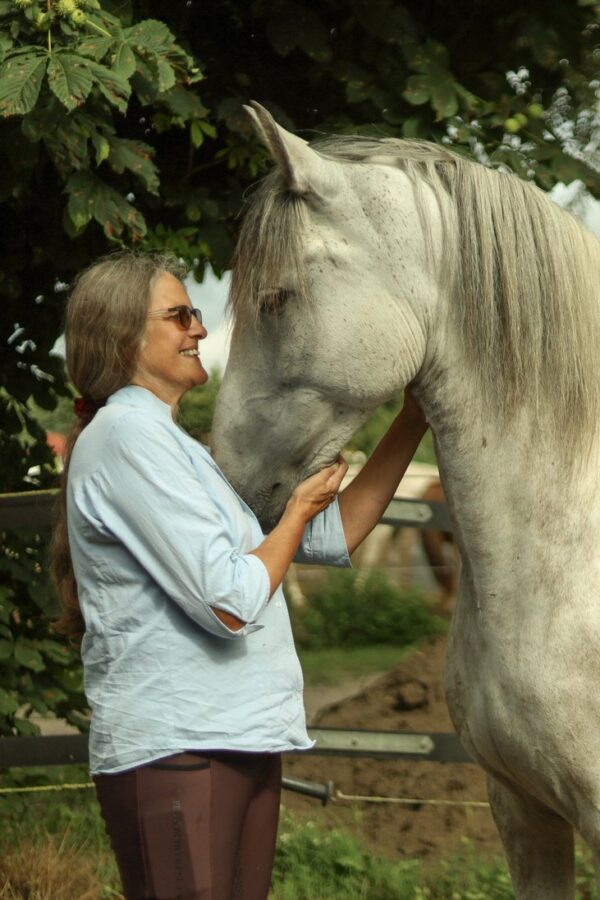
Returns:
point(272, 302)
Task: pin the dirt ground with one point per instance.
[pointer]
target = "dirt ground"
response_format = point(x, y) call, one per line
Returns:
point(415, 830)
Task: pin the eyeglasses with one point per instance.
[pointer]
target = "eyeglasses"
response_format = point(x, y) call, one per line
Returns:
point(183, 315)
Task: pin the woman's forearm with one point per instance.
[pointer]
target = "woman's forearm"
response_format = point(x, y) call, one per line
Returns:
point(366, 498)
point(279, 547)
point(276, 552)
point(310, 498)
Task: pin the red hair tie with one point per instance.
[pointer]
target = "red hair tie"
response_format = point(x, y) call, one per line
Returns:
point(86, 408)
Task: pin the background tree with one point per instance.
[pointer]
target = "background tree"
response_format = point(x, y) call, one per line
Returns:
point(76, 174)
point(108, 136)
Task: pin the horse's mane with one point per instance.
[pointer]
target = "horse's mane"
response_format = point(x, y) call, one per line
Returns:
point(525, 275)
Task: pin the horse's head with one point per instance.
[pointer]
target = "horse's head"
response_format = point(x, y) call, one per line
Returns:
point(333, 295)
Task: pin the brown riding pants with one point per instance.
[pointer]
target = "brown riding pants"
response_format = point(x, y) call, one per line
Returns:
point(194, 826)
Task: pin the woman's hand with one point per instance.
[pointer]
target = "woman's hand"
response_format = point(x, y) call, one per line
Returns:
point(310, 497)
point(315, 494)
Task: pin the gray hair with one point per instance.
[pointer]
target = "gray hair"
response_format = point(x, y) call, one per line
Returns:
point(106, 318)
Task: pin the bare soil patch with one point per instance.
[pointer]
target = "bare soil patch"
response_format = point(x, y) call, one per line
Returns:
point(408, 698)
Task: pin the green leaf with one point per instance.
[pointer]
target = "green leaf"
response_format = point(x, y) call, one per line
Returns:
point(27, 655)
point(137, 157)
point(417, 90)
point(198, 129)
point(124, 61)
point(81, 200)
point(67, 146)
point(101, 146)
point(567, 169)
point(437, 53)
point(53, 696)
point(150, 34)
point(6, 650)
point(8, 703)
point(196, 134)
point(166, 76)
point(26, 728)
point(412, 127)
point(20, 82)
point(91, 197)
point(95, 46)
point(69, 79)
point(115, 88)
point(58, 653)
point(443, 98)
point(6, 44)
point(38, 706)
point(182, 103)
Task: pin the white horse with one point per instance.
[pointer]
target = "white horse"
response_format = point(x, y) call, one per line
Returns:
point(365, 265)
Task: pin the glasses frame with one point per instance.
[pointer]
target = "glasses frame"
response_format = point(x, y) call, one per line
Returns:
point(178, 313)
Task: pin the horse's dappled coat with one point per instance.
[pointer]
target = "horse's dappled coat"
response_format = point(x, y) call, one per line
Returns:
point(368, 265)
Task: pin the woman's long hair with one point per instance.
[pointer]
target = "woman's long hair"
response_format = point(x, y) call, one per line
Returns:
point(104, 331)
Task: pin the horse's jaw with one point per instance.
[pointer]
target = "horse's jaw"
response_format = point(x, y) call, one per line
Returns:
point(244, 438)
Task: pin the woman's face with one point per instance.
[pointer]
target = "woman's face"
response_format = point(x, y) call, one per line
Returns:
point(169, 364)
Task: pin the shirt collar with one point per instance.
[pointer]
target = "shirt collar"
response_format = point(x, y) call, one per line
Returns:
point(142, 398)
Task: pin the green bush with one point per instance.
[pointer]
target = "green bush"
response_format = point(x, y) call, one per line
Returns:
point(352, 611)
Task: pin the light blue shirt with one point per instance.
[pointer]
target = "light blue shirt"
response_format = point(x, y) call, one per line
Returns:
point(158, 537)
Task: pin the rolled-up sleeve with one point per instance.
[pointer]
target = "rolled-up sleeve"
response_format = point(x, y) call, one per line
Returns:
point(323, 540)
point(147, 496)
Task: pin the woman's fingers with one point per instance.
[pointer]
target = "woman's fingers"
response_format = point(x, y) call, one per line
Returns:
point(322, 487)
point(339, 469)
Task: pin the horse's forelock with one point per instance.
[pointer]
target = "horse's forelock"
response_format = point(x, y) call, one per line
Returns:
point(268, 251)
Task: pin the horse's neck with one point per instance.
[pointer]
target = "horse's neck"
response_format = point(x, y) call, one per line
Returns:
point(518, 513)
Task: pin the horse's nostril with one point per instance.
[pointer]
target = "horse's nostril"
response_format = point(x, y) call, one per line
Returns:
point(276, 486)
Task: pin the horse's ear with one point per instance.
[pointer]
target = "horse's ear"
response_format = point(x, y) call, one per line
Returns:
point(304, 171)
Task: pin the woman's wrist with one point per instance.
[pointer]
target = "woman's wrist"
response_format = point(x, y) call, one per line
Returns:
point(296, 511)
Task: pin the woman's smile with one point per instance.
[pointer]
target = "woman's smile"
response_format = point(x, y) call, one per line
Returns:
point(163, 365)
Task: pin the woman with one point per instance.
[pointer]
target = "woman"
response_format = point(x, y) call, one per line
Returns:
point(190, 669)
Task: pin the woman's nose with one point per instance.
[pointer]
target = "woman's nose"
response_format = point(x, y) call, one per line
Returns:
point(197, 330)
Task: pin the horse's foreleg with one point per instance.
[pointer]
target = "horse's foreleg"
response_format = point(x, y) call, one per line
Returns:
point(537, 842)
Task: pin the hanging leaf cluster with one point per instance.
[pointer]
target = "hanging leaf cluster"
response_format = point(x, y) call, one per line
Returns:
point(68, 72)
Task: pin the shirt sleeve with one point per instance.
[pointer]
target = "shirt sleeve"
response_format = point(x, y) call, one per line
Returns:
point(323, 540)
point(147, 495)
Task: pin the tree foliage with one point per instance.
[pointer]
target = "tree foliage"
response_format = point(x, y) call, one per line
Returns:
point(76, 174)
point(109, 136)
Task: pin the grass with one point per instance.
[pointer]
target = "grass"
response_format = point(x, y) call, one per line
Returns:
point(314, 864)
point(53, 847)
point(337, 664)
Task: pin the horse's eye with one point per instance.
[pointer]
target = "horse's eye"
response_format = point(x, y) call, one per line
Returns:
point(272, 302)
